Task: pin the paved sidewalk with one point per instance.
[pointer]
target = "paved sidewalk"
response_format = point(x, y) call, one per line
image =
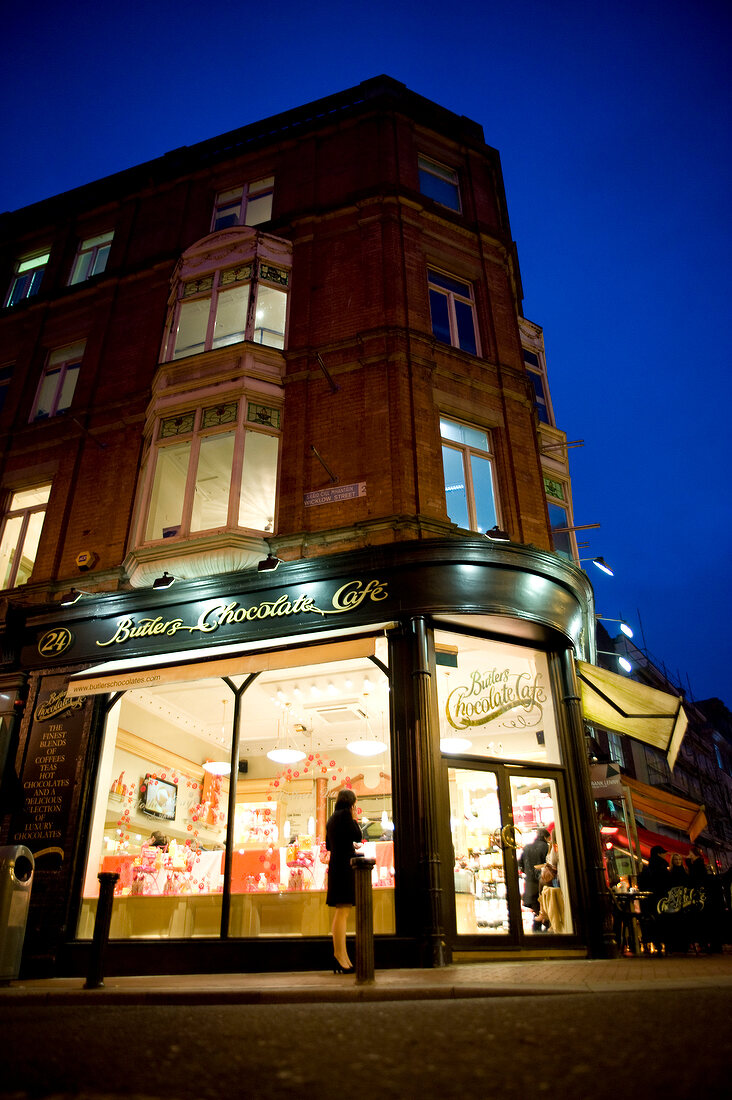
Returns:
point(484, 979)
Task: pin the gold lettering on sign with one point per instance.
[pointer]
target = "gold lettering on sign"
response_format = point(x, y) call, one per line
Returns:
point(348, 597)
point(57, 703)
point(489, 695)
point(44, 792)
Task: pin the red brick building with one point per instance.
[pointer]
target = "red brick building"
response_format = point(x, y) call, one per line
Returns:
point(299, 345)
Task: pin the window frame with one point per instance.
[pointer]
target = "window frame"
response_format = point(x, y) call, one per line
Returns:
point(62, 364)
point(25, 514)
point(537, 372)
point(452, 297)
point(467, 451)
point(242, 427)
point(91, 246)
point(32, 276)
point(248, 192)
point(428, 166)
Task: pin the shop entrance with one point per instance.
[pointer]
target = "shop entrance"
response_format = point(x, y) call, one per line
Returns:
point(506, 824)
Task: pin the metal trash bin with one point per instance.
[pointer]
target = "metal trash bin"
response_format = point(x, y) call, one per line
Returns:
point(16, 878)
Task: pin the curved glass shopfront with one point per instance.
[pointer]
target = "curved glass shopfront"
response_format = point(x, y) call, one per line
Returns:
point(203, 755)
point(161, 814)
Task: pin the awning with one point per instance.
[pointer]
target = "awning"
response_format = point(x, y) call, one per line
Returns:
point(181, 667)
point(668, 808)
point(649, 840)
point(616, 703)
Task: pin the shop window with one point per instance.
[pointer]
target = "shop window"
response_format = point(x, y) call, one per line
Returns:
point(244, 302)
point(91, 257)
point(21, 533)
point(247, 205)
point(453, 312)
point(57, 385)
point(439, 183)
point(469, 479)
point(211, 471)
point(310, 730)
point(27, 278)
point(495, 700)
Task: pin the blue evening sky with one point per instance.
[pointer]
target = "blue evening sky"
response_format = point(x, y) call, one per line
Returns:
point(612, 121)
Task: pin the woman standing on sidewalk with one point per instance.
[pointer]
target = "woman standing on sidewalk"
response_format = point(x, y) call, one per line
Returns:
point(341, 833)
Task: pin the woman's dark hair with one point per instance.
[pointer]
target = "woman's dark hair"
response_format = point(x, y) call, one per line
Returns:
point(346, 798)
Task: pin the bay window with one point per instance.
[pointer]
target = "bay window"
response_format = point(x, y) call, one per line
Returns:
point(213, 470)
point(243, 302)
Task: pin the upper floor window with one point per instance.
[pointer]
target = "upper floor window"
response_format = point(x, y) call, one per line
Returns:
point(27, 279)
point(615, 748)
point(469, 482)
point(91, 258)
point(453, 313)
point(439, 183)
point(21, 533)
point(247, 205)
point(6, 373)
point(58, 382)
point(213, 467)
point(536, 375)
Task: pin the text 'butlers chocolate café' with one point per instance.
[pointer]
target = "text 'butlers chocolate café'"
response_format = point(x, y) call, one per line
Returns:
point(287, 510)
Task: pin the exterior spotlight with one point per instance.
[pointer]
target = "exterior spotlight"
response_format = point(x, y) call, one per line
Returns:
point(269, 563)
point(622, 661)
point(73, 596)
point(497, 535)
point(601, 564)
point(165, 581)
point(627, 631)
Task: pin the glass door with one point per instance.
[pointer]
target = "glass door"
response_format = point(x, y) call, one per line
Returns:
point(506, 830)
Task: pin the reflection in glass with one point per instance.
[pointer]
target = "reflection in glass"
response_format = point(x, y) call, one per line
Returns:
point(481, 904)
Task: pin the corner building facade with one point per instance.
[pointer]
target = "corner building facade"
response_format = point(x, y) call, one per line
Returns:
point(278, 519)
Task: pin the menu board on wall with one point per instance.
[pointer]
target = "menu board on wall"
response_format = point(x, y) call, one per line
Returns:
point(49, 770)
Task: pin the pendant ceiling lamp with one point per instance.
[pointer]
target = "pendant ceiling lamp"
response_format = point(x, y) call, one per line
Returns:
point(366, 747)
point(284, 752)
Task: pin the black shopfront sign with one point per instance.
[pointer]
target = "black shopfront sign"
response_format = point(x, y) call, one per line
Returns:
point(50, 768)
point(309, 598)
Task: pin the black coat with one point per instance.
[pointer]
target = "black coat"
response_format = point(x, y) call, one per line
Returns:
point(532, 855)
point(341, 833)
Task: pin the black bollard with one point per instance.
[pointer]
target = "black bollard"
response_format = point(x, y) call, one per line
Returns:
point(107, 883)
point(364, 919)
